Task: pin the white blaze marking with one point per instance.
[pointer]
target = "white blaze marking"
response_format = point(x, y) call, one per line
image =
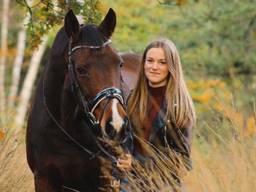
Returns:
point(117, 120)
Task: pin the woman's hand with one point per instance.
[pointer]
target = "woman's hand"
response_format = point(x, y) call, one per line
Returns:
point(125, 163)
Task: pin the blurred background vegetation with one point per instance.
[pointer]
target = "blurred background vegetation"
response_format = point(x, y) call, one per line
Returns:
point(217, 44)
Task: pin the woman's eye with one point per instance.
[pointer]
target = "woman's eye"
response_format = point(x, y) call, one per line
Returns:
point(162, 62)
point(150, 61)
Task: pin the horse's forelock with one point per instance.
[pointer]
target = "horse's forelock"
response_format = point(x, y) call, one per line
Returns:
point(91, 36)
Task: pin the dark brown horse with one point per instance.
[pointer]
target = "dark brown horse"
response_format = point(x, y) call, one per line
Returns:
point(130, 69)
point(78, 122)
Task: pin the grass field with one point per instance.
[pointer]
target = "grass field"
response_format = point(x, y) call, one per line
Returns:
point(221, 163)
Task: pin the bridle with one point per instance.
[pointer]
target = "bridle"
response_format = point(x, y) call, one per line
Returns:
point(88, 106)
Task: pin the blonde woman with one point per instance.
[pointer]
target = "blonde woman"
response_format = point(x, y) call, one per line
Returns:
point(160, 108)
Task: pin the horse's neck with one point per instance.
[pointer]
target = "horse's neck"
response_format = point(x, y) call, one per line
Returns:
point(125, 89)
point(130, 69)
point(53, 79)
point(68, 108)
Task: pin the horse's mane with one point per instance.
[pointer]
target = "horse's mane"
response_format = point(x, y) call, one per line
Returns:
point(60, 43)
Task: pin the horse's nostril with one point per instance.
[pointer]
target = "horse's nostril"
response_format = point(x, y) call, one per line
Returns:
point(110, 131)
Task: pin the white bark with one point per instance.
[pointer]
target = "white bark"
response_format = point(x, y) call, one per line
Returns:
point(28, 83)
point(17, 67)
point(4, 49)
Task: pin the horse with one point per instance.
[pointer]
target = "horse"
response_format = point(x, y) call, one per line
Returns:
point(130, 68)
point(77, 126)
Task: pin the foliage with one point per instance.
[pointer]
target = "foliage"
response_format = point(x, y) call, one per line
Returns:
point(172, 2)
point(137, 23)
point(45, 14)
point(220, 36)
point(1, 135)
point(214, 37)
point(226, 111)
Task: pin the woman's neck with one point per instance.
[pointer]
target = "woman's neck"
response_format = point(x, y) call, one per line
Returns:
point(157, 91)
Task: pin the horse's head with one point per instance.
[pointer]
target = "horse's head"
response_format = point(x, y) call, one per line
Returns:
point(95, 74)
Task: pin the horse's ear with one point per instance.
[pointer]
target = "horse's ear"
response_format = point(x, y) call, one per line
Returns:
point(71, 25)
point(108, 25)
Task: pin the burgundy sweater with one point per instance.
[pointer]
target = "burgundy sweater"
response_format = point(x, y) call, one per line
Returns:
point(156, 98)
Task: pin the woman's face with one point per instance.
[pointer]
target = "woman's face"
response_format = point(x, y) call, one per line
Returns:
point(156, 67)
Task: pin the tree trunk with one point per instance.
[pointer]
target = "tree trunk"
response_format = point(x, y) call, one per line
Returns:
point(28, 83)
point(4, 30)
point(17, 67)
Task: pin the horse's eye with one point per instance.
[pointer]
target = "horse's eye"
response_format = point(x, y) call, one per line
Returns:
point(81, 71)
point(121, 64)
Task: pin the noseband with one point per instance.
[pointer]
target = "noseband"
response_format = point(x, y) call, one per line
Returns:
point(90, 105)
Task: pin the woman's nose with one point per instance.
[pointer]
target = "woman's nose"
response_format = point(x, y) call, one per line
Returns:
point(155, 65)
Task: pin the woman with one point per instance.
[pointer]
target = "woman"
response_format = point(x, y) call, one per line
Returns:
point(160, 108)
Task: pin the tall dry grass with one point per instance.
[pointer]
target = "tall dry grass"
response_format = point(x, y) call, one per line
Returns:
point(228, 165)
point(15, 175)
point(223, 161)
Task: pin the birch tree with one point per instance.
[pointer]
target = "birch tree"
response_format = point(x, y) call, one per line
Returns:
point(21, 42)
point(27, 87)
point(4, 49)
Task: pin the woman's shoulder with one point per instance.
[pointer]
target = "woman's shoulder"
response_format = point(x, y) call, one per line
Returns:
point(189, 124)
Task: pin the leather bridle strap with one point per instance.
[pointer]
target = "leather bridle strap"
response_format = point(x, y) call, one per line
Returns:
point(91, 46)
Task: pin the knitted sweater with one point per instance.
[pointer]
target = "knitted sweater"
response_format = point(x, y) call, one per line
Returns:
point(156, 98)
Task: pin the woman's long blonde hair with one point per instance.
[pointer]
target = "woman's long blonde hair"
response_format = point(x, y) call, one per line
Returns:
point(180, 108)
